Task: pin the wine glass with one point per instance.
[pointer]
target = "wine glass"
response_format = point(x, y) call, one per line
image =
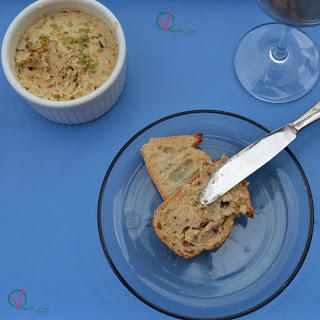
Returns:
point(276, 62)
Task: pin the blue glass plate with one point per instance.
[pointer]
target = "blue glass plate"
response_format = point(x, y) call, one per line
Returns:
point(257, 261)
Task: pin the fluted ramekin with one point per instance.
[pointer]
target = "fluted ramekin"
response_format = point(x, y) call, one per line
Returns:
point(81, 110)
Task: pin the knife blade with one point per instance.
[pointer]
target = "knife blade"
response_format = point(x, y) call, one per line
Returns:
point(251, 158)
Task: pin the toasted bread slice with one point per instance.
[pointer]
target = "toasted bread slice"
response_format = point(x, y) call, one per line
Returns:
point(188, 227)
point(173, 161)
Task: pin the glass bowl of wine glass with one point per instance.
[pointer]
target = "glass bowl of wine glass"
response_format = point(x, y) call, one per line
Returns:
point(277, 62)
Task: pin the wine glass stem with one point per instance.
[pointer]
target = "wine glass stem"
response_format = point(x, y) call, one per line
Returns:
point(280, 51)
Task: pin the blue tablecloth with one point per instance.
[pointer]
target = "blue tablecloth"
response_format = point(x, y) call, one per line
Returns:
point(51, 174)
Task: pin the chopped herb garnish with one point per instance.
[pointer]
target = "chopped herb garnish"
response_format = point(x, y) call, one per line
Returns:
point(68, 40)
point(30, 46)
point(87, 62)
point(44, 21)
point(82, 40)
point(43, 38)
point(70, 24)
point(84, 30)
point(54, 26)
point(52, 17)
point(57, 96)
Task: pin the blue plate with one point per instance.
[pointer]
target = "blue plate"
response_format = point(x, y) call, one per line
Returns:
point(258, 260)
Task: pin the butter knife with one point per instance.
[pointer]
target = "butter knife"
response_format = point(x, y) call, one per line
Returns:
point(251, 158)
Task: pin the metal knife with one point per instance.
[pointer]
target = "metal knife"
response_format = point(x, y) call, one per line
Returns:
point(250, 159)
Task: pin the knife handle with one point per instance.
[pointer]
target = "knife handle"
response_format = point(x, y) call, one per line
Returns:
point(308, 117)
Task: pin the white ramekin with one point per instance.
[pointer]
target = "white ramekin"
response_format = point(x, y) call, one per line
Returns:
point(79, 110)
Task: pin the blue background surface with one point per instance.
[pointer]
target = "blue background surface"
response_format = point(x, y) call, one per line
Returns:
point(51, 174)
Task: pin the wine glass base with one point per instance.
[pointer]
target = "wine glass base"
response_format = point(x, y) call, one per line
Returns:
point(269, 79)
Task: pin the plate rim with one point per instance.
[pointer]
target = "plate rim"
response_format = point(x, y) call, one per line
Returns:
point(176, 315)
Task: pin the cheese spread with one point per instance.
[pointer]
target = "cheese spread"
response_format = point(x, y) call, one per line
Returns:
point(65, 55)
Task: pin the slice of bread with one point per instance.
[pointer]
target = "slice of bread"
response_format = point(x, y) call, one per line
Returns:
point(188, 227)
point(173, 161)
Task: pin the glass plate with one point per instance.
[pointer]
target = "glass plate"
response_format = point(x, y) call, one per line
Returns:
point(257, 261)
